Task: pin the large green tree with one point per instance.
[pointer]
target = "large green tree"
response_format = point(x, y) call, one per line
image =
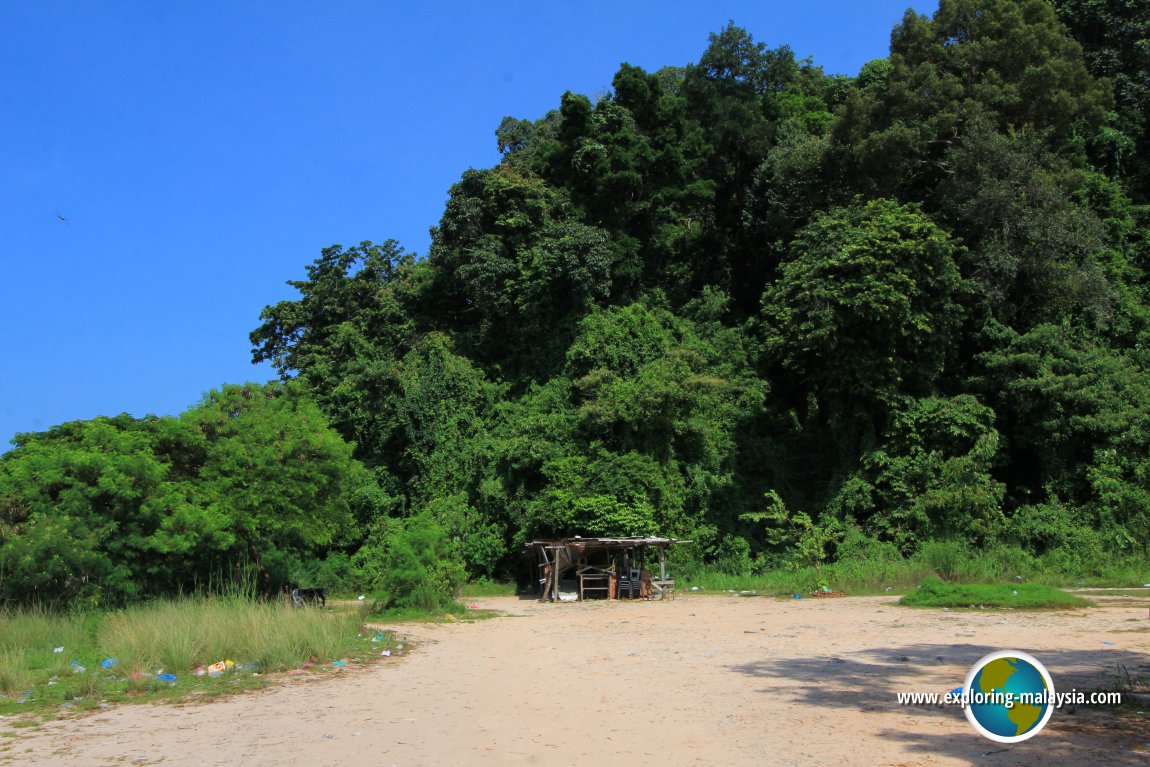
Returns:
point(115, 509)
point(342, 337)
point(1114, 35)
point(866, 307)
point(273, 469)
point(1007, 64)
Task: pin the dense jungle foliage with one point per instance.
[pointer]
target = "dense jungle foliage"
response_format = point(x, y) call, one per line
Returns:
point(782, 313)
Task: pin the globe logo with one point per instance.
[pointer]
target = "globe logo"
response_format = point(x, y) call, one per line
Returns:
point(1009, 696)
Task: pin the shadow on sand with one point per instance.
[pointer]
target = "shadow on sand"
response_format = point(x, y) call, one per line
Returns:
point(868, 681)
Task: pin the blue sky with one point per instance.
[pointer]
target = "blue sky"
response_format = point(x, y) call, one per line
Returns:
point(201, 154)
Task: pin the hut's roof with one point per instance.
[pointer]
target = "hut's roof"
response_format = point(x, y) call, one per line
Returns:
point(605, 543)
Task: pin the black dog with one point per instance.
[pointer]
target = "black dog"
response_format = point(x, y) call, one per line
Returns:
point(301, 597)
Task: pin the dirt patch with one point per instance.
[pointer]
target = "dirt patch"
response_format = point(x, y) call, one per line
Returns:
point(698, 680)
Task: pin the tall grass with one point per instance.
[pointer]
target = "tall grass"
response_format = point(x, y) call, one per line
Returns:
point(193, 632)
point(171, 637)
point(28, 642)
point(14, 671)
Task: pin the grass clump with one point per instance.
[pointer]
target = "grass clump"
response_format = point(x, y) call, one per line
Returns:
point(52, 661)
point(183, 634)
point(934, 592)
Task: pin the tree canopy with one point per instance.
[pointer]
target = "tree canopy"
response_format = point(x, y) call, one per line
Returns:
point(113, 509)
point(910, 303)
point(737, 300)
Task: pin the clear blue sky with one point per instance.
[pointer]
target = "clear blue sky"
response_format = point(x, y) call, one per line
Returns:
point(202, 153)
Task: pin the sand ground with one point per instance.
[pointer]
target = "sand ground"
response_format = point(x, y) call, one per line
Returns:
point(700, 680)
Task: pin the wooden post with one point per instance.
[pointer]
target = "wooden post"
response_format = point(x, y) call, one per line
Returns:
point(548, 570)
point(555, 577)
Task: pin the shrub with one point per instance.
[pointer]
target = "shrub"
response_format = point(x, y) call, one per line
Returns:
point(935, 593)
point(417, 568)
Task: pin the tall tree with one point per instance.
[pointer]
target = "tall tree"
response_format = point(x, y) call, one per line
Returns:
point(1007, 64)
point(274, 470)
point(865, 309)
point(1114, 35)
point(354, 319)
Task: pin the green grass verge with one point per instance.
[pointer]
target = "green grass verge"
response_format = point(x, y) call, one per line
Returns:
point(1023, 596)
point(879, 569)
point(1135, 593)
point(854, 579)
point(52, 662)
point(447, 613)
point(414, 615)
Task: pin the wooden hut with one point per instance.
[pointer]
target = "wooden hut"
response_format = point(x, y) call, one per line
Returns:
point(574, 569)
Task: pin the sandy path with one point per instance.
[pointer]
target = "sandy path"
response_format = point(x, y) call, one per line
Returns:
point(701, 680)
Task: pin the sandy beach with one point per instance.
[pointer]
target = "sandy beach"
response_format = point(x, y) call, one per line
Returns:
point(699, 680)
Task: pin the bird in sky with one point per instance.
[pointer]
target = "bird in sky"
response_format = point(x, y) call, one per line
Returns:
point(61, 218)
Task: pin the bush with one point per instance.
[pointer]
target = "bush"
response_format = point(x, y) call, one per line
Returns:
point(857, 546)
point(947, 558)
point(935, 593)
point(335, 572)
point(418, 571)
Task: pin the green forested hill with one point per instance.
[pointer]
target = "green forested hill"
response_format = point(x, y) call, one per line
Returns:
point(736, 298)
